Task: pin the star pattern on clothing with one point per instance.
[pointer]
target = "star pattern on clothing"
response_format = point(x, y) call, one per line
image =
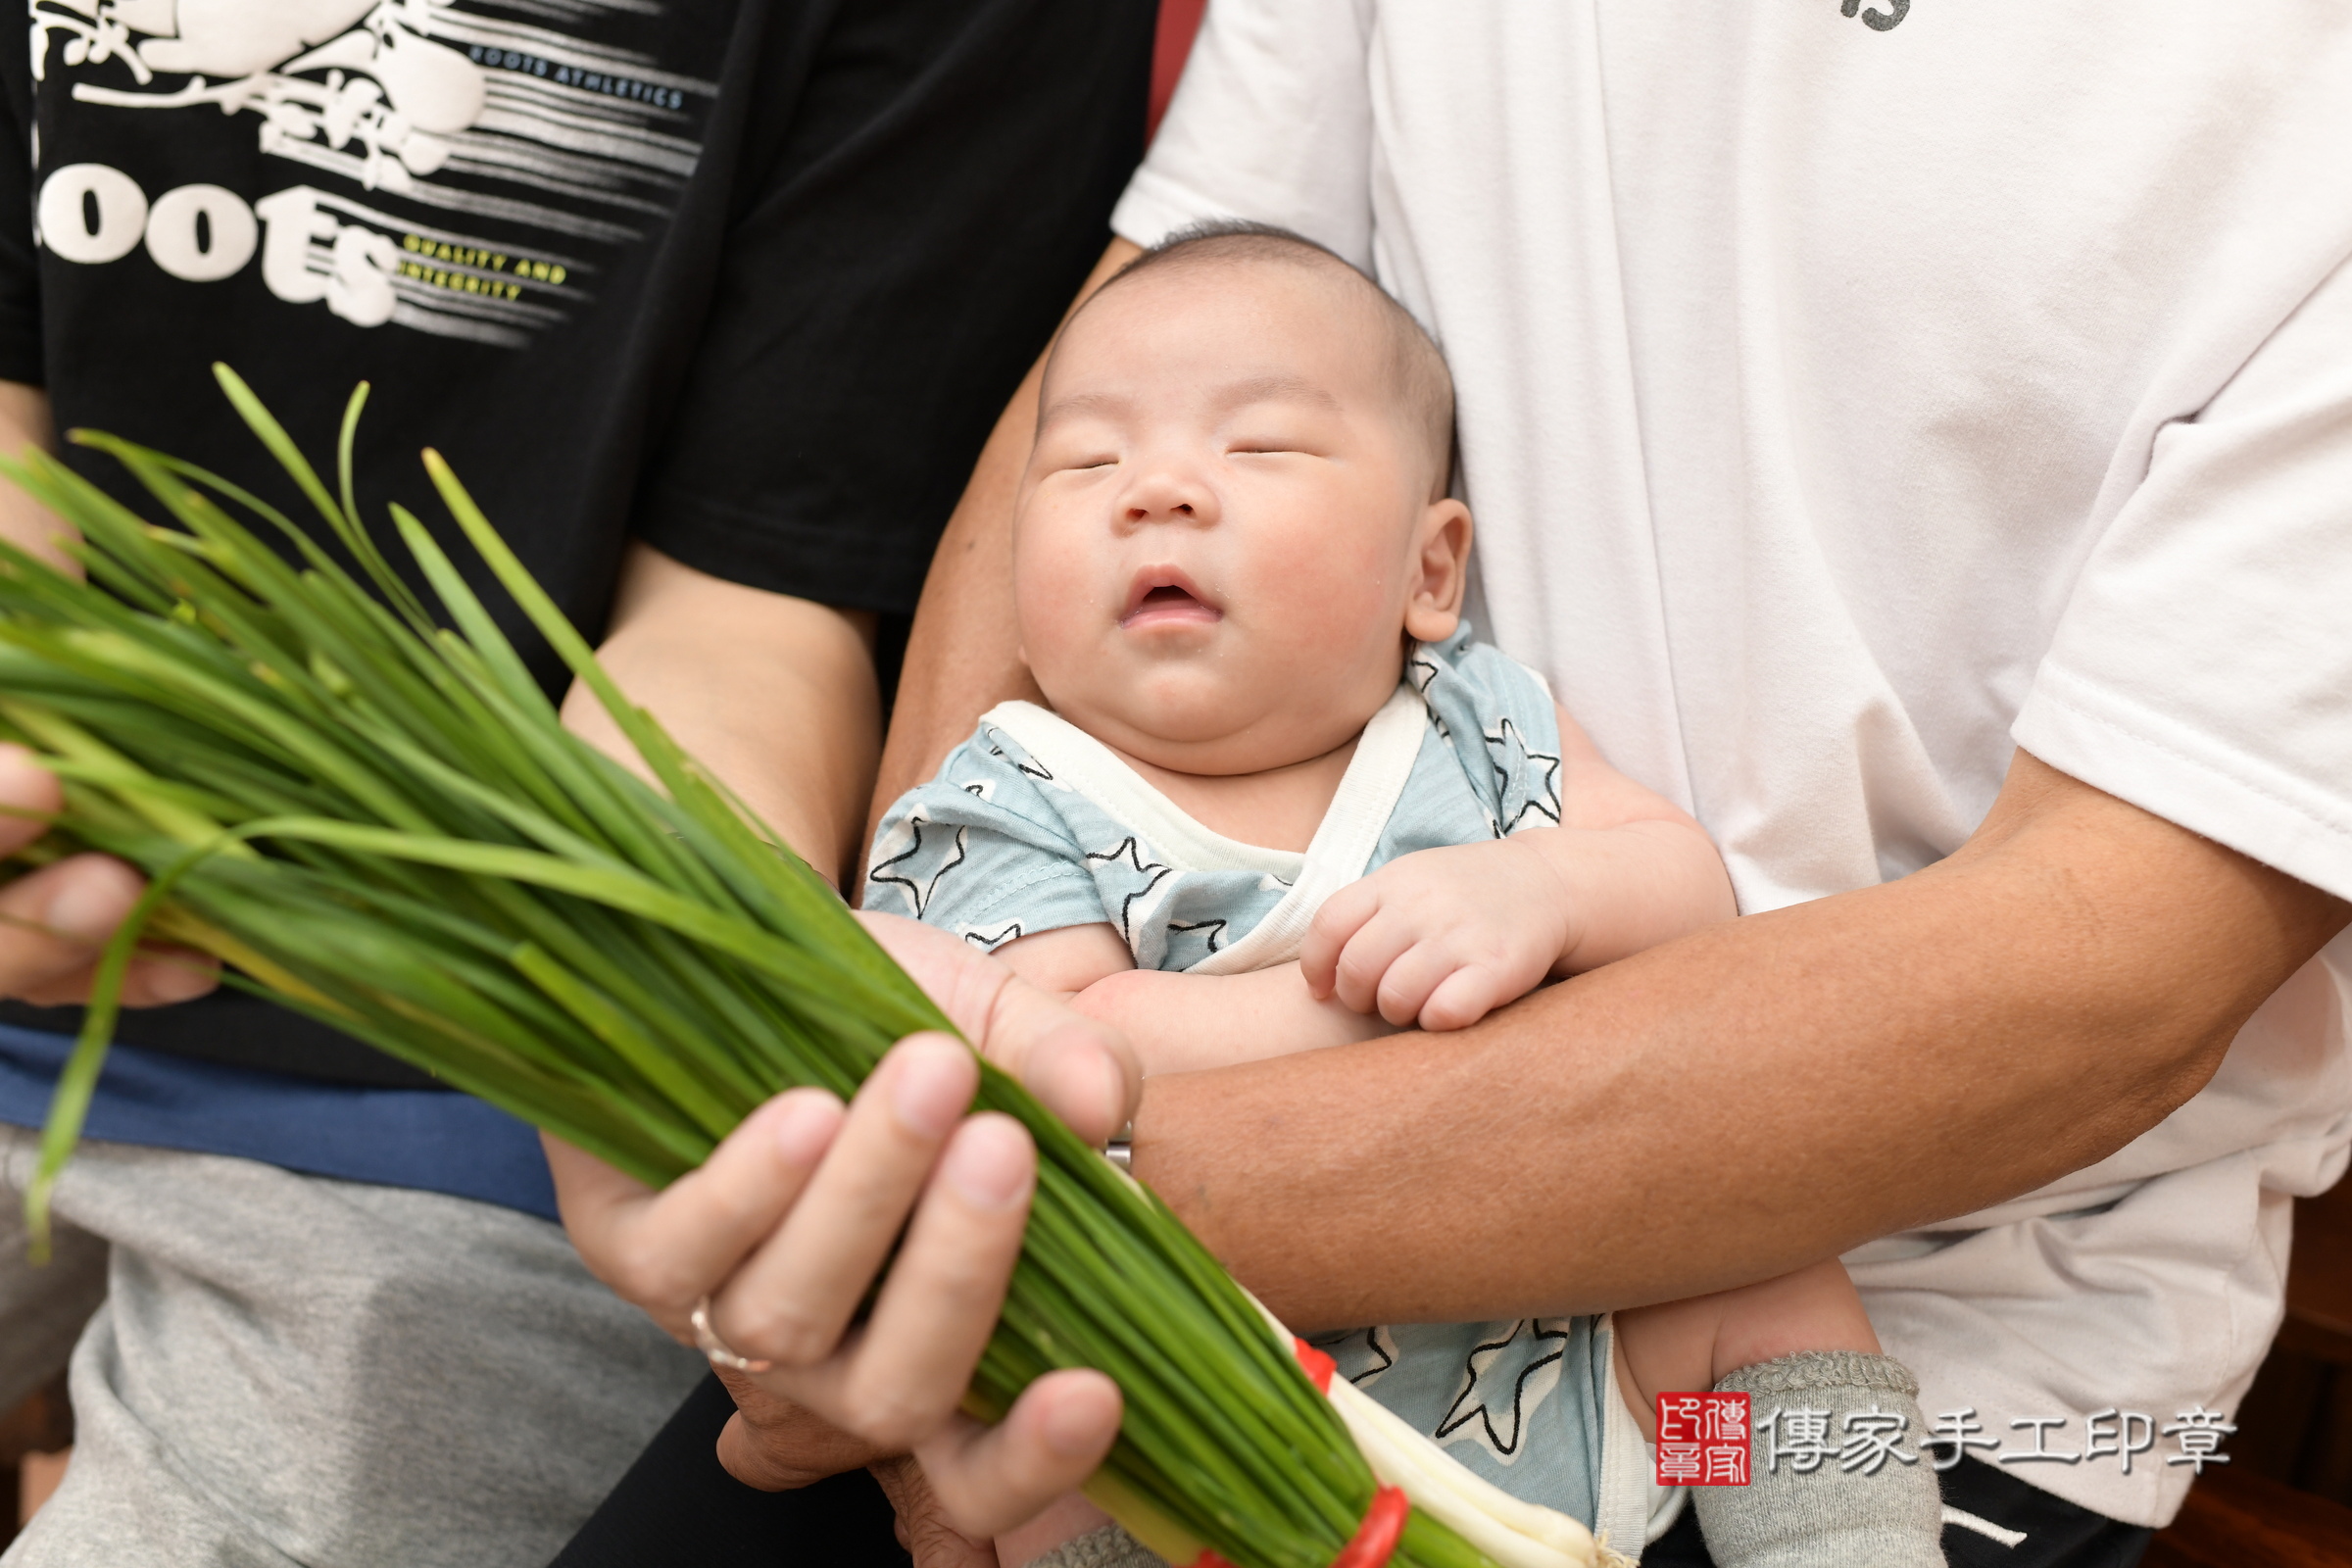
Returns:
point(1360, 1354)
point(1504, 1378)
point(918, 867)
point(1189, 942)
point(1128, 859)
point(990, 942)
point(1419, 672)
point(1029, 766)
point(1512, 758)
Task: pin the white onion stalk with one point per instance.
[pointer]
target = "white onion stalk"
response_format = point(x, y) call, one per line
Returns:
point(1515, 1532)
point(1512, 1531)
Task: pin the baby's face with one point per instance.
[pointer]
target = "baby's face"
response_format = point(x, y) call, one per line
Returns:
point(1225, 531)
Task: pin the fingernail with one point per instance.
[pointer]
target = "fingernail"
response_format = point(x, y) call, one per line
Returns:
point(805, 1124)
point(989, 1164)
point(933, 1082)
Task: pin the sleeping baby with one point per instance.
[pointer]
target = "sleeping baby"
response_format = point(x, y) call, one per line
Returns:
point(1282, 801)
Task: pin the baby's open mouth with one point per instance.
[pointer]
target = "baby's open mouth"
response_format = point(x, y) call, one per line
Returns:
point(1160, 595)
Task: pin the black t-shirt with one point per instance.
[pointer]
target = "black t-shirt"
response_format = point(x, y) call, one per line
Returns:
point(746, 280)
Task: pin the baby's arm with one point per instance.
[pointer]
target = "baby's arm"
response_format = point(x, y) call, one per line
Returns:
point(1443, 937)
point(1181, 1022)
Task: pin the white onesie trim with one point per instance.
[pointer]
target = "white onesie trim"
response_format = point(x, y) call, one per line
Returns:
point(1083, 763)
point(1626, 1500)
point(1342, 846)
point(1344, 841)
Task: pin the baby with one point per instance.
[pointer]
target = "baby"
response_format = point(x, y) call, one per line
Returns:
point(1282, 801)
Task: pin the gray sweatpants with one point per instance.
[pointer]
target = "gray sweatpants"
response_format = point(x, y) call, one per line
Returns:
point(281, 1369)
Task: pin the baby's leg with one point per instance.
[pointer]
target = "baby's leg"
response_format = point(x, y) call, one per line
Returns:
point(1799, 1345)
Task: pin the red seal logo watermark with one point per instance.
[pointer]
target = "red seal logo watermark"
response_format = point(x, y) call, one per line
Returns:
point(1702, 1439)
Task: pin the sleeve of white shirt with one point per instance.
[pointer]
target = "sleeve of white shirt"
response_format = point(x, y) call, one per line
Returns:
point(2202, 666)
point(1271, 122)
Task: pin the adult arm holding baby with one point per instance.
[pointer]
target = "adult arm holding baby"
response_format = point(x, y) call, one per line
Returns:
point(1900, 1052)
point(1284, 799)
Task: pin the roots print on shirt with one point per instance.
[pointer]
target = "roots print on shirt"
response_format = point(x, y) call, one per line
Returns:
point(517, 154)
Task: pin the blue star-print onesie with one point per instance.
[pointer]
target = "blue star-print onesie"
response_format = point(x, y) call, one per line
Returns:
point(1032, 826)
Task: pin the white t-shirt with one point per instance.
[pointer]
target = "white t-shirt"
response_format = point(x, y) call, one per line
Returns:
point(1846, 399)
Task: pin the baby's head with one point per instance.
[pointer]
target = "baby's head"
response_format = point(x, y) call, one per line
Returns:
point(1236, 512)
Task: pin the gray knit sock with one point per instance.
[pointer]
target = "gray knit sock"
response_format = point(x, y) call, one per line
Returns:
point(1107, 1547)
point(1842, 1495)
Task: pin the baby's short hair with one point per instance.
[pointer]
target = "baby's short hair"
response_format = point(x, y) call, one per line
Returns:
point(1423, 385)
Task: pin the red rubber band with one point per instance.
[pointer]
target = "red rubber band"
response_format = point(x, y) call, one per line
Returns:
point(1376, 1537)
point(1317, 1366)
point(1375, 1540)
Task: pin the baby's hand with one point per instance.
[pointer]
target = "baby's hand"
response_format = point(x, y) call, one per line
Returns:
point(1443, 935)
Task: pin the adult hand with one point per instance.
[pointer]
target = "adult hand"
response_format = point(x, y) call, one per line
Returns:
point(787, 1224)
point(54, 921)
point(922, 1524)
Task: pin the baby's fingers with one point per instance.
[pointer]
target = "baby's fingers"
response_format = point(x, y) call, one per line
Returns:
point(1412, 980)
point(1342, 917)
point(1363, 965)
point(1464, 997)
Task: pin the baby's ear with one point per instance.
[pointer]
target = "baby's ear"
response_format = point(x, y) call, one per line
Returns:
point(1441, 571)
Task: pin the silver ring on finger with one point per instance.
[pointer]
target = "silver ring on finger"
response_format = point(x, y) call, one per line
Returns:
point(717, 1351)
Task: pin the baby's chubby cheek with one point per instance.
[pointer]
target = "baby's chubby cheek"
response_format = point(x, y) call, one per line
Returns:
point(1323, 610)
point(1066, 611)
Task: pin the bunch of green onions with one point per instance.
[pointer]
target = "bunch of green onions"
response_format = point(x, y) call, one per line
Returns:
point(377, 819)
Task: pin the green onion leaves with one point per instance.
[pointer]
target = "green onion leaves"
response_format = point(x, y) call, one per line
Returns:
point(369, 810)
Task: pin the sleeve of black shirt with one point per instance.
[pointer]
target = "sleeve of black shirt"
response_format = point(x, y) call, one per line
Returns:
point(898, 255)
point(20, 265)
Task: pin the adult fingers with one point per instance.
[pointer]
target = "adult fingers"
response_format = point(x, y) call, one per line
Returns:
point(923, 1526)
point(30, 795)
point(164, 973)
point(665, 1250)
point(54, 921)
point(1342, 917)
point(160, 975)
point(776, 1445)
point(1057, 1433)
point(1083, 1070)
point(791, 1301)
point(908, 1368)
